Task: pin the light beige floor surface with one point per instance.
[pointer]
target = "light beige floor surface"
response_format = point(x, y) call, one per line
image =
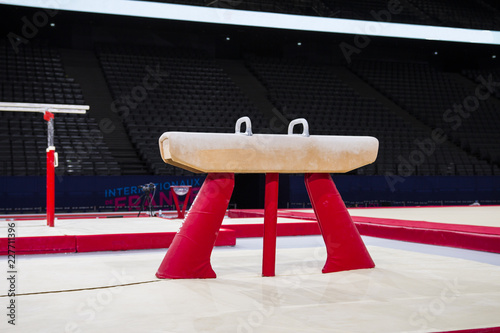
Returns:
point(117, 292)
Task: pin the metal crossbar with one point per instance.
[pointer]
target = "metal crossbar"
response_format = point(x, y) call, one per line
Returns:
point(37, 107)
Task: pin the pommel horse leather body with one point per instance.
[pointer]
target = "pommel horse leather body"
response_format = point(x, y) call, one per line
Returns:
point(222, 155)
point(267, 153)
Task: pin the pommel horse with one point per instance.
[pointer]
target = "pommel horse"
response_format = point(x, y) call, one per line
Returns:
point(221, 155)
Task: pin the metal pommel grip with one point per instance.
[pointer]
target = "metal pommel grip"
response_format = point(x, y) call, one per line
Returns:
point(304, 123)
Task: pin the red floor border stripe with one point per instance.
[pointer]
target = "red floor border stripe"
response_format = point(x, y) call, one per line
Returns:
point(40, 245)
point(122, 242)
point(479, 238)
point(457, 239)
point(283, 229)
point(478, 330)
point(429, 225)
point(107, 242)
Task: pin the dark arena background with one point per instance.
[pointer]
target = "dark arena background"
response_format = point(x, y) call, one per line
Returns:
point(439, 143)
point(422, 76)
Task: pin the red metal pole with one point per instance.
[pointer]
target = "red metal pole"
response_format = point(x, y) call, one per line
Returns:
point(49, 117)
point(50, 186)
point(270, 224)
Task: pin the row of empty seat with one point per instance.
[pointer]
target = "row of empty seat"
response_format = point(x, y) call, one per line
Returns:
point(378, 10)
point(301, 7)
point(36, 74)
point(473, 14)
point(441, 101)
point(173, 89)
point(315, 92)
point(461, 13)
point(193, 94)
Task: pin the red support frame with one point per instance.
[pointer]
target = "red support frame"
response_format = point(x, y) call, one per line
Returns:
point(50, 186)
point(270, 224)
point(51, 151)
point(344, 247)
point(189, 254)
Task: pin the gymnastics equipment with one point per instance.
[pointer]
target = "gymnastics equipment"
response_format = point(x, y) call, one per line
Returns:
point(222, 155)
point(48, 111)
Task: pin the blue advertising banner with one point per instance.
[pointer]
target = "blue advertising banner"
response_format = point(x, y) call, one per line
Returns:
point(409, 191)
point(123, 193)
point(90, 193)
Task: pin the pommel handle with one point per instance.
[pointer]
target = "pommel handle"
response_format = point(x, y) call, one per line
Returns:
point(304, 123)
point(248, 123)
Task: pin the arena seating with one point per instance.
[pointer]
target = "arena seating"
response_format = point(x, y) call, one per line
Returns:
point(481, 142)
point(194, 95)
point(300, 89)
point(36, 75)
point(363, 10)
point(473, 14)
point(302, 7)
point(461, 13)
point(428, 93)
point(492, 4)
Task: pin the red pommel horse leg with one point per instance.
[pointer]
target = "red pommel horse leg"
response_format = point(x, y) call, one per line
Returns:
point(270, 224)
point(344, 247)
point(188, 257)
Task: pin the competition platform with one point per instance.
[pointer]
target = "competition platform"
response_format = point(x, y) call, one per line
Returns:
point(416, 269)
point(88, 270)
